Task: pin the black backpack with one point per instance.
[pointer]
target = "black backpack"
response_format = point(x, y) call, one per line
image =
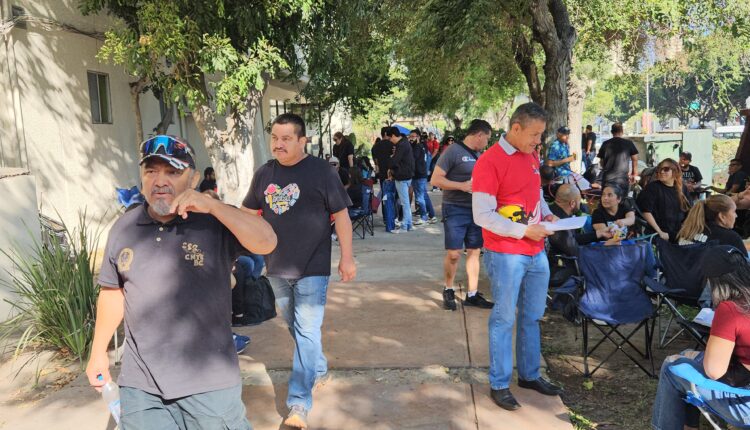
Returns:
point(256, 301)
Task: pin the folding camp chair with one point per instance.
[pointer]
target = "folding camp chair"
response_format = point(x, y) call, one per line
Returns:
point(699, 382)
point(681, 283)
point(362, 218)
point(609, 294)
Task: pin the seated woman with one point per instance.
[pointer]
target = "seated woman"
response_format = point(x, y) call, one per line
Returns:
point(711, 220)
point(355, 188)
point(663, 201)
point(612, 215)
point(727, 355)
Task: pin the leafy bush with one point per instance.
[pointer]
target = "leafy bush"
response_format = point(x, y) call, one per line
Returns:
point(55, 294)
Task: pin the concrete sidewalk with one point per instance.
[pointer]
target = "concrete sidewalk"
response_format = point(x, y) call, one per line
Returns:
point(398, 360)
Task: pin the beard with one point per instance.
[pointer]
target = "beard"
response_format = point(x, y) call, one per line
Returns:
point(160, 205)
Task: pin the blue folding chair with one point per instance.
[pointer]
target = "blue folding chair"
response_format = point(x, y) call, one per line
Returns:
point(688, 372)
point(612, 296)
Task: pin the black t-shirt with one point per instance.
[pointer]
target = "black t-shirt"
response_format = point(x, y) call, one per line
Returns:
point(584, 141)
point(381, 153)
point(207, 184)
point(601, 216)
point(615, 154)
point(343, 175)
point(739, 177)
point(664, 204)
point(355, 195)
point(298, 202)
point(692, 174)
point(342, 151)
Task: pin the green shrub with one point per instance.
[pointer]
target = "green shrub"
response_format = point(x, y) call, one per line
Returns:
point(55, 295)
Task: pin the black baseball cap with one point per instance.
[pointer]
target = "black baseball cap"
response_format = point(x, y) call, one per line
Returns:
point(721, 260)
point(563, 130)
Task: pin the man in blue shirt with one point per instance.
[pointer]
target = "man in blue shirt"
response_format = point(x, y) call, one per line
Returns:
point(559, 155)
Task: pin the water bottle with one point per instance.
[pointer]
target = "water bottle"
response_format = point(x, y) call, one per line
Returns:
point(111, 396)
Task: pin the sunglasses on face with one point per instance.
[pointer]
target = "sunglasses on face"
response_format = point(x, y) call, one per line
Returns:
point(665, 169)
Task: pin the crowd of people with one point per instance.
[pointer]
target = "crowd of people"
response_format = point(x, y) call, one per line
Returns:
point(181, 247)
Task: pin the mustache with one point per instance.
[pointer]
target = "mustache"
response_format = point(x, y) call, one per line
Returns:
point(279, 150)
point(162, 190)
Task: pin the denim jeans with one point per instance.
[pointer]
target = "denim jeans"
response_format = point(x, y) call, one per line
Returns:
point(517, 281)
point(302, 304)
point(388, 203)
point(424, 204)
point(250, 265)
point(402, 187)
point(671, 411)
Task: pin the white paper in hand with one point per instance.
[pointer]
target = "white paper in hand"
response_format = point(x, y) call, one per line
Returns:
point(571, 223)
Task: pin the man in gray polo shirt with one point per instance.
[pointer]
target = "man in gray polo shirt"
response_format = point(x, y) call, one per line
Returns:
point(166, 270)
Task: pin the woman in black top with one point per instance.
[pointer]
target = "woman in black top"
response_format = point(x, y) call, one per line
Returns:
point(663, 201)
point(355, 187)
point(612, 214)
point(712, 219)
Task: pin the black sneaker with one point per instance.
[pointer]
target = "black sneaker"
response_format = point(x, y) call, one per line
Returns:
point(449, 299)
point(479, 301)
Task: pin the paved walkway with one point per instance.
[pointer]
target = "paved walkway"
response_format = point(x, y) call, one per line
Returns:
point(399, 361)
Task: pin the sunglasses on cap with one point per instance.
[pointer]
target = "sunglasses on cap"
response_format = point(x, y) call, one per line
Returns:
point(169, 148)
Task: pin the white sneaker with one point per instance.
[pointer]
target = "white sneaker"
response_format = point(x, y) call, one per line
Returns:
point(395, 231)
point(433, 220)
point(418, 221)
point(398, 223)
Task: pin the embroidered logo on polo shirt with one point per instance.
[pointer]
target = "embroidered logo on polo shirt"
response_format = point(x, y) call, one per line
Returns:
point(124, 260)
point(280, 199)
point(193, 253)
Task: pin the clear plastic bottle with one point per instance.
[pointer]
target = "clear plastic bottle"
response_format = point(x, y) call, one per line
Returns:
point(111, 396)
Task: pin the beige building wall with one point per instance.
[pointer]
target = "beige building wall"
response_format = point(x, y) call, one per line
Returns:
point(19, 225)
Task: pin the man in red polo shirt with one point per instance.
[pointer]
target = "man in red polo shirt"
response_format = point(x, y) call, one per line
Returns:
point(506, 204)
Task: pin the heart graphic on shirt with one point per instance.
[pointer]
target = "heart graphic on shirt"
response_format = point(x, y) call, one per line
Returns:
point(280, 199)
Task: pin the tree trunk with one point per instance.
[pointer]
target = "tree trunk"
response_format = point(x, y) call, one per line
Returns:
point(231, 151)
point(524, 57)
point(552, 29)
point(576, 96)
point(166, 120)
point(135, 102)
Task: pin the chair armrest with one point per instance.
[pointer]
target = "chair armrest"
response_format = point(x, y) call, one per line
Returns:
point(652, 284)
point(689, 373)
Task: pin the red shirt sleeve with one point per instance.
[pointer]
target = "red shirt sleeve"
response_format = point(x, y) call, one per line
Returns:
point(725, 321)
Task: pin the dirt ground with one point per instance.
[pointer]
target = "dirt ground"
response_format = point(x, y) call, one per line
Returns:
point(619, 395)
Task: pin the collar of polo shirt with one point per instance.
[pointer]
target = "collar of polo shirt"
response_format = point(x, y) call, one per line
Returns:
point(145, 219)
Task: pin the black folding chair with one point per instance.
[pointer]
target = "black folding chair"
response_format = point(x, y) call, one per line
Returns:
point(362, 218)
point(681, 283)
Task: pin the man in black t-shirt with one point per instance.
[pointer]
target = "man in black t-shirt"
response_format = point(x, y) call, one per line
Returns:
point(297, 194)
point(381, 155)
point(737, 179)
point(619, 159)
point(588, 147)
point(691, 175)
point(343, 149)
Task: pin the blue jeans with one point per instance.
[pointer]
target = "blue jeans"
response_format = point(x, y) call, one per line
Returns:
point(251, 265)
point(402, 188)
point(302, 304)
point(389, 204)
point(424, 204)
point(671, 411)
point(516, 281)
